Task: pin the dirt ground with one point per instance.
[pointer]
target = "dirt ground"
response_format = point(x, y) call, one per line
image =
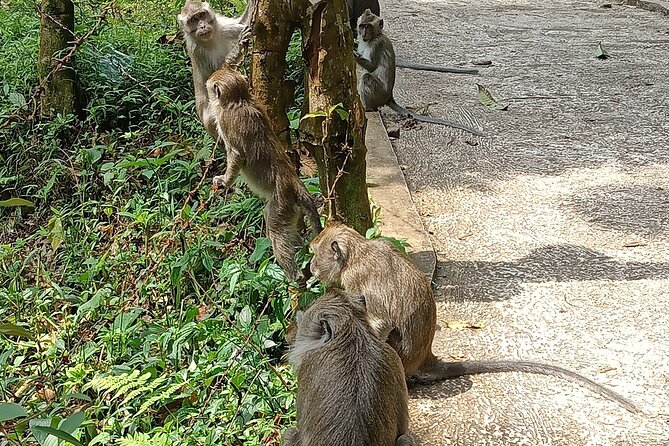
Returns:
point(552, 233)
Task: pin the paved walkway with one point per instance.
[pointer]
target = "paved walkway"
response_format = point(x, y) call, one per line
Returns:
point(554, 232)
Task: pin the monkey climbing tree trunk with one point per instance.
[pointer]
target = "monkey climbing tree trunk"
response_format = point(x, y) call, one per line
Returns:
point(56, 72)
point(335, 141)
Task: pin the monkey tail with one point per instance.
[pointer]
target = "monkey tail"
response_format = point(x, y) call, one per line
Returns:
point(438, 68)
point(306, 202)
point(437, 369)
point(404, 112)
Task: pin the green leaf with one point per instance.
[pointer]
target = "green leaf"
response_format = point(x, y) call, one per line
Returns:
point(101, 438)
point(13, 202)
point(485, 98)
point(15, 330)
point(600, 52)
point(72, 422)
point(262, 245)
point(245, 316)
point(62, 435)
point(313, 115)
point(10, 411)
point(55, 233)
point(17, 99)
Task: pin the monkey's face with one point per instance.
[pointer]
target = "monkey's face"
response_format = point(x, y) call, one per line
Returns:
point(369, 26)
point(328, 260)
point(197, 20)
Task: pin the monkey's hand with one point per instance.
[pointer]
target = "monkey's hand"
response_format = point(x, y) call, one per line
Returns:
point(245, 37)
point(219, 182)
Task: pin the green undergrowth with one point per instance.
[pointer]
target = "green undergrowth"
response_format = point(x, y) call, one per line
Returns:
point(137, 307)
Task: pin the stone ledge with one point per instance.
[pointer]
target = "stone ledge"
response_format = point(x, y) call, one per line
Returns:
point(388, 189)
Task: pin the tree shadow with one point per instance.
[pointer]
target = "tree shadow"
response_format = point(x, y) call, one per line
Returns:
point(638, 209)
point(495, 281)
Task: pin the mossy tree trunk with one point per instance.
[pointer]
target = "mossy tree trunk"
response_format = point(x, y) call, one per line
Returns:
point(57, 76)
point(338, 145)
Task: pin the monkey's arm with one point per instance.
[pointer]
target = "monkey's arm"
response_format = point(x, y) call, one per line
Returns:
point(235, 162)
point(236, 54)
point(364, 63)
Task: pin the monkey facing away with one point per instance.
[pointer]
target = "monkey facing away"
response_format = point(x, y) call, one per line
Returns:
point(211, 40)
point(253, 150)
point(375, 57)
point(351, 388)
point(402, 308)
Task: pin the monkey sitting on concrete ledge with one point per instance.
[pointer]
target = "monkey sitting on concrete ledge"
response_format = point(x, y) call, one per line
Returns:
point(403, 311)
point(351, 388)
point(375, 57)
point(253, 150)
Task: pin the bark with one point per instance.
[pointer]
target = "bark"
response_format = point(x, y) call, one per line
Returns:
point(272, 30)
point(58, 79)
point(337, 145)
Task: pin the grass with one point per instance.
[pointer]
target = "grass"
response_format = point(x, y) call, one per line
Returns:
point(137, 307)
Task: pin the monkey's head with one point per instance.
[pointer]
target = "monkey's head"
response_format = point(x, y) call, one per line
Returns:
point(332, 249)
point(196, 20)
point(226, 86)
point(326, 320)
point(369, 26)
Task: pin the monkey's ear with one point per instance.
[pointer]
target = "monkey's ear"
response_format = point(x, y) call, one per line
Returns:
point(381, 23)
point(217, 91)
point(327, 331)
point(336, 250)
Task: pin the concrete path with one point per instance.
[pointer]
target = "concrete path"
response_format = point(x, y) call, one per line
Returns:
point(553, 233)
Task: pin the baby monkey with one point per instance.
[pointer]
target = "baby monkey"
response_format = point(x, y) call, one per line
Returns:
point(402, 308)
point(253, 150)
point(351, 388)
point(376, 58)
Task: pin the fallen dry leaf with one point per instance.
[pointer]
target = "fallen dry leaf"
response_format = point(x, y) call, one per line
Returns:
point(461, 325)
point(633, 244)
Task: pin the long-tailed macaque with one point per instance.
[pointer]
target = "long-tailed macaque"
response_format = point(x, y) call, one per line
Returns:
point(350, 384)
point(253, 150)
point(357, 7)
point(211, 39)
point(375, 57)
point(402, 308)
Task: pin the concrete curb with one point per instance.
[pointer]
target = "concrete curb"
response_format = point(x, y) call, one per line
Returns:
point(656, 5)
point(388, 189)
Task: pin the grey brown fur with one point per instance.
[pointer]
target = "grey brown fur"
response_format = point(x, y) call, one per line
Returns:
point(375, 57)
point(351, 388)
point(211, 39)
point(253, 150)
point(402, 309)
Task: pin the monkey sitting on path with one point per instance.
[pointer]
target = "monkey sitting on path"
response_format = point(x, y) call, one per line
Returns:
point(351, 388)
point(211, 39)
point(253, 149)
point(375, 57)
point(402, 308)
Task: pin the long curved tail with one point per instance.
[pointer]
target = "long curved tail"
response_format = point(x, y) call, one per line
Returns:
point(438, 369)
point(404, 112)
point(438, 68)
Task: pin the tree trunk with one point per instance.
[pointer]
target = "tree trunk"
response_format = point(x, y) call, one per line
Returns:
point(57, 76)
point(337, 144)
point(272, 30)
